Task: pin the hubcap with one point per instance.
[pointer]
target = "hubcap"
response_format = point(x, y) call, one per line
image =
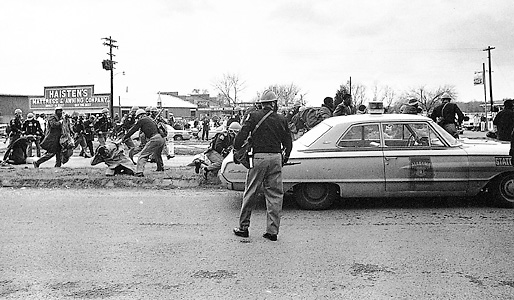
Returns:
point(508, 188)
point(315, 192)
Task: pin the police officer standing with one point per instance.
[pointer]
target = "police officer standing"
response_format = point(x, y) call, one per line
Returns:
point(448, 115)
point(272, 144)
point(102, 126)
point(15, 126)
point(32, 127)
point(126, 123)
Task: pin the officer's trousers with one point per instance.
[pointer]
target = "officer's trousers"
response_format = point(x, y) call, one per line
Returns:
point(153, 146)
point(267, 171)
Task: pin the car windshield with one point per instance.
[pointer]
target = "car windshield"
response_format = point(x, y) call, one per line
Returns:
point(312, 135)
point(448, 137)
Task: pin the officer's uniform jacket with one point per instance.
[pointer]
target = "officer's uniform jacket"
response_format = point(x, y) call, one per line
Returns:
point(272, 136)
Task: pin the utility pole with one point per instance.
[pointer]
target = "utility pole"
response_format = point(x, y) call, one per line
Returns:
point(488, 49)
point(485, 94)
point(109, 65)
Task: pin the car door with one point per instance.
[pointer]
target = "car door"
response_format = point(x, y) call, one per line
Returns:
point(359, 161)
point(417, 160)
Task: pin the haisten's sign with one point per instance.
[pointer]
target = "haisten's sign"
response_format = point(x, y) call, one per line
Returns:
point(70, 97)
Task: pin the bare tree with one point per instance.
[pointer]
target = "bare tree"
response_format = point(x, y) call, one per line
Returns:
point(428, 98)
point(286, 93)
point(358, 94)
point(229, 87)
point(385, 94)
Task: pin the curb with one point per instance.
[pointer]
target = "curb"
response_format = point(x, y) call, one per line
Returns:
point(87, 178)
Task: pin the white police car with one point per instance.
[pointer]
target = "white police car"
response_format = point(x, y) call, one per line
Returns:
point(388, 155)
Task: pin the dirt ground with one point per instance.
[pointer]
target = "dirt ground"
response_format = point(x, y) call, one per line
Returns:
point(178, 244)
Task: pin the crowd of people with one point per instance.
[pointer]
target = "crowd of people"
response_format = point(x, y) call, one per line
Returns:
point(60, 133)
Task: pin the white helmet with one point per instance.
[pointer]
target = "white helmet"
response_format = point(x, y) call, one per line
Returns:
point(140, 111)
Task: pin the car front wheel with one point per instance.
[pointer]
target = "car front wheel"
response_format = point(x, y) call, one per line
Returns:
point(315, 196)
point(177, 138)
point(503, 190)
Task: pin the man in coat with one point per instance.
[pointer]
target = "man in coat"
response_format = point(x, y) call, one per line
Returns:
point(51, 142)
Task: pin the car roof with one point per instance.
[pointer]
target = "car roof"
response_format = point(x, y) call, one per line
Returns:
point(374, 118)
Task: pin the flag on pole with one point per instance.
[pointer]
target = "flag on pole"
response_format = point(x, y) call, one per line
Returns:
point(478, 79)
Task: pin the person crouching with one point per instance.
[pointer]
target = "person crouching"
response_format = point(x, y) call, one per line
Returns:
point(154, 144)
point(112, 155)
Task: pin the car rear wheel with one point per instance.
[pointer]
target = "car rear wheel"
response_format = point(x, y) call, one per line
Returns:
point(503, 191)
point(315, 196)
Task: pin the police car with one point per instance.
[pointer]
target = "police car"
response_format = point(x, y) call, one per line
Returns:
point(388, 155)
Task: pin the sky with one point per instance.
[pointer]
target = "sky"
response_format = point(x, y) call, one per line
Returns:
point(181, 45)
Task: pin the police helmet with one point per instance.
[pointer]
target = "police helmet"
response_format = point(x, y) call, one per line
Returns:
point(134, 108)
point(267, 96)
point(140, 111)
point(446, 96)
point(30, 116)
point(235, 126)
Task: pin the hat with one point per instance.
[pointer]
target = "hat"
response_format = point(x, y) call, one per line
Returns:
point(58, 108)
point(445, 95)
point(234, 126)
point(140, 111)
point(30, 116)
point(105, 110)
point(267, 96)
point(134, 108)
point(413, 101)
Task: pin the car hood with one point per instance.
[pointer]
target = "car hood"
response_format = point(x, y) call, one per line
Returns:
point(485, 147)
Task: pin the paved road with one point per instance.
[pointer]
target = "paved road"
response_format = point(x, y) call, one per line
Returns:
point(177, 244)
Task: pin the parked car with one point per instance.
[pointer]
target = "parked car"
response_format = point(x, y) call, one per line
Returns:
point(178, 134)
point(390, 155)
point(3, 130)
point(212, 132)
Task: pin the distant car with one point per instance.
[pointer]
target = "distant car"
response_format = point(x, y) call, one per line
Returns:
point(390, 155)
point(178, 134)
point(212, 132)
point(468, 124)
point(3, 130)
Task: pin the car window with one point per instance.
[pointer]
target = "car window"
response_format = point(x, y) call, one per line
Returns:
point(361, 137)
point(312, 135)
point(410, 135)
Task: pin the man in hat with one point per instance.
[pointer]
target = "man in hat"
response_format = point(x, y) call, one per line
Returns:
point(411, 107)
point(154, 144)
point(51, 142)
point(102, 126)
point(504, 121)
point(32, 127)
point(272, 144)
point(15, 126)
point(448, 115)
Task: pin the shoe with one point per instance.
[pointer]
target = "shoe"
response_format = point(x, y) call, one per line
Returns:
point(241, 232)
point(160, 170)
point(205, 173)
point(139, 175)
point(170, 156)
point(198, 165)
point(36, 166)
point(269, 236)
point(86, 156)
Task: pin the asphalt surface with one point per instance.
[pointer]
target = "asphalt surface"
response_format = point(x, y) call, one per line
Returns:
point(178, 244)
